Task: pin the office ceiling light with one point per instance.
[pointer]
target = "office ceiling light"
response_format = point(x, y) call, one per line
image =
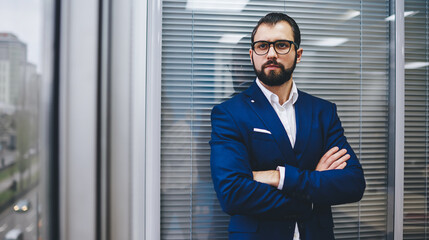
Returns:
point(415, 65)
point(216, 5)
point(350, 14)
point(231, 38)
point(329, 42)
point(406, 14)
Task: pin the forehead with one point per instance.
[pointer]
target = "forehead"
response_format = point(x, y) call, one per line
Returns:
point(269, 32)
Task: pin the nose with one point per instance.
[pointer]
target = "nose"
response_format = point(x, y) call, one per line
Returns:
point(271, 52)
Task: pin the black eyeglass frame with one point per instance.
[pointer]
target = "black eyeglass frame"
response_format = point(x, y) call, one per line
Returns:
point(274, 46)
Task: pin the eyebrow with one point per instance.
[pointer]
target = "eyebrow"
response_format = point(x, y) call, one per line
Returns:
point(274, 40)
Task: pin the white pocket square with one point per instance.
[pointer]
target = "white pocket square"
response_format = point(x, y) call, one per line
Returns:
point(261, 130)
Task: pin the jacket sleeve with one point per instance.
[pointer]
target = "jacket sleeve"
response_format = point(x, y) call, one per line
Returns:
point(232, 176)
point(329, 187)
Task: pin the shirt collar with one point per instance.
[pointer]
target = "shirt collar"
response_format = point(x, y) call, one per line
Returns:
point(273, 98)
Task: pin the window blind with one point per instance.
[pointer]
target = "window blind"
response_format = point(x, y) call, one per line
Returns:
point(416, 177)
point(205, 60)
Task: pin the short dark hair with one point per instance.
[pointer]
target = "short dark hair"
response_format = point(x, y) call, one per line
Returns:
point(275, 17)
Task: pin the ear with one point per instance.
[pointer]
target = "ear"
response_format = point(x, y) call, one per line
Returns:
point(299, 54)
point(250, 54)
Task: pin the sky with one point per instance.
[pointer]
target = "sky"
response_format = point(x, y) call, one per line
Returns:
point(23, 18)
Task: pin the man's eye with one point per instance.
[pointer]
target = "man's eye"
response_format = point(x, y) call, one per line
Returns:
point(282, 45)
point(262, 45)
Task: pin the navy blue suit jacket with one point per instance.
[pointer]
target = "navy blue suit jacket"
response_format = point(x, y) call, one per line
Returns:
point(260, 211)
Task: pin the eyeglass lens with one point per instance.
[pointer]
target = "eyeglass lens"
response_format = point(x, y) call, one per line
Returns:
point(281, 47)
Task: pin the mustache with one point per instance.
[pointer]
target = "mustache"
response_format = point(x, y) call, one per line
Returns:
point(271, 62)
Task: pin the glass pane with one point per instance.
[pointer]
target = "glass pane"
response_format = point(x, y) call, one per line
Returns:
point(416, 174)
point(20, 90)
point(206, 61)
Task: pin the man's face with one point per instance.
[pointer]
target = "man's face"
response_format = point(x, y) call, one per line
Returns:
point(272, 68)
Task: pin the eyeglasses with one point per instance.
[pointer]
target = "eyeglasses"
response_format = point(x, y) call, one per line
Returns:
point(280, 46)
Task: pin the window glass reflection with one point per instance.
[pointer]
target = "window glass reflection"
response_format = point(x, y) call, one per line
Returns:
point(20, 81)
point(206, 61)
point(416, 155)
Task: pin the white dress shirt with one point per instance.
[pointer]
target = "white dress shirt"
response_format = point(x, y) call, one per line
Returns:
point(286, 113)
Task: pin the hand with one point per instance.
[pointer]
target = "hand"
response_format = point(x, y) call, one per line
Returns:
point(270, 177)
point(333, 159)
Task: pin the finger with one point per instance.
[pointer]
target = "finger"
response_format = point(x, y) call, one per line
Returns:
point(335, 157)
point(340, 161)
point(329, 154)
point(323, 165)
point(342, 165)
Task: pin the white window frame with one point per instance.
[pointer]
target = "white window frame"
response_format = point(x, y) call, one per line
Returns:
point(78, 108)
point(399, 114)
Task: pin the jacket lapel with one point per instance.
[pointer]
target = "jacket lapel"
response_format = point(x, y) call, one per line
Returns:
point(303, 116)
point(259, 103)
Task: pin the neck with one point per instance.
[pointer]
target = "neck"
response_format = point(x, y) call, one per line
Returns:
point(282, 91)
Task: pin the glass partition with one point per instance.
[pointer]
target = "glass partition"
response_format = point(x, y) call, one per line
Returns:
point(205, 60)
point(416, 172)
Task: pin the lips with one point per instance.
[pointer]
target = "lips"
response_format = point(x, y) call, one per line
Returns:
point(271, 66)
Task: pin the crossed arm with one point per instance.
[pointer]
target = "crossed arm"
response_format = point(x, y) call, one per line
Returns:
point(337, 178)
point(332, 159)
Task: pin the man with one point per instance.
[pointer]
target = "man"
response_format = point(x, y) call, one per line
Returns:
point(279, 157)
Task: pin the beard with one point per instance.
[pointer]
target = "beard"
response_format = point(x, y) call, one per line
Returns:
point(273, 78)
